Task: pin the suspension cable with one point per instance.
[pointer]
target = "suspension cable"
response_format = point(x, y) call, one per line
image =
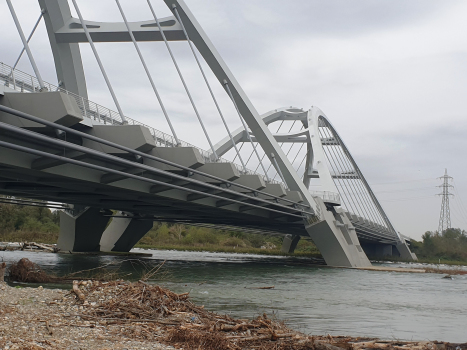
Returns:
point(264, 155)
point(251, 155)
point(26, 45)
point(147, 72)
point(101, 66)
point(365, 192)
point(241, 146)
point(302, 159)
point(282, 143)
point(226, 84)
point(332, 164)
point(209, 88)
point(342, 171)
point(293, 144)
point(363, 204)
point(358, 198)
point(182, 79)
point(29, 38)
point(278, 170)
point(359, 185)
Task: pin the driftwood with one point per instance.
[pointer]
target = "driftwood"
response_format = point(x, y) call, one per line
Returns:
point(43, 246)
point(47, 247)
point(2, 271)
point(48, 328)
point(269, 287)
point(27, 271)
point(77, 291)
point(21, 246)
point(145, 311)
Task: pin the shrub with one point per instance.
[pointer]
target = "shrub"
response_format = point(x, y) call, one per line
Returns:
point(234, 242)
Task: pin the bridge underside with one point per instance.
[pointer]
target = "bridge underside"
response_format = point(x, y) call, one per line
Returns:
point(119, 202)
point(27, 183)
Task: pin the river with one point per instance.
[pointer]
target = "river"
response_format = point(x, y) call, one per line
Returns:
point(313, 299)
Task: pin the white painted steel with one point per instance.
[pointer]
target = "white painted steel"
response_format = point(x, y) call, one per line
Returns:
point(25, 44)
point(101, 66)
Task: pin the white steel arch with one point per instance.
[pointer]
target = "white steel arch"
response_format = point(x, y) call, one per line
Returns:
point(372, 217)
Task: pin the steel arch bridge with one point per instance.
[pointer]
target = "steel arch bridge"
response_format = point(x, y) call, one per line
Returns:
point(57, 145)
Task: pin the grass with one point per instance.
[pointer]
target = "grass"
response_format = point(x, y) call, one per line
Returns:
point(30, 236)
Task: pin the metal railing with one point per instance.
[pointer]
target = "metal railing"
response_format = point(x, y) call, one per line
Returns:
point(24, 82)
point(327, 196)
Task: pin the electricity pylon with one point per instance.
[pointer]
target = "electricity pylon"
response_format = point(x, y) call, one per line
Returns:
point(445, 214)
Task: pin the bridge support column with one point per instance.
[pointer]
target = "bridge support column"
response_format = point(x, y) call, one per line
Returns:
point(82, 232)
point(336, 239)
point(289, 243)
point(404, 251)
point(123, 233)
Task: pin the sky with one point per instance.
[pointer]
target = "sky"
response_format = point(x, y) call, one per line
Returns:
point(390, 75)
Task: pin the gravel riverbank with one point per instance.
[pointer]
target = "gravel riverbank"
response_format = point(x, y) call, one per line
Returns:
point(121, 315)
point(39, 318)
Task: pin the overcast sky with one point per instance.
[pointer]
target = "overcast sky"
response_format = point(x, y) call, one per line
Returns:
point(389, 74)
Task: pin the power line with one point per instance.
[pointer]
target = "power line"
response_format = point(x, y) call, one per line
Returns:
point(459, 197)
point(405, 199)
point(397, 182)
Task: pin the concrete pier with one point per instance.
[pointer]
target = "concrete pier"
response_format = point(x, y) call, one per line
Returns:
point(289, 243)
point(123, 233)
point(82, 232)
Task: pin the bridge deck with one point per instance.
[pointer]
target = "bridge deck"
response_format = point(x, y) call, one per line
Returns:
point(73, 184)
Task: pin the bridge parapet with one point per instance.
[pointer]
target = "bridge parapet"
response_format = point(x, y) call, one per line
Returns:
point(328, 197)
point(96, 114)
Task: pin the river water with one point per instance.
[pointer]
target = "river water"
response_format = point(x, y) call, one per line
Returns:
point(313, 299)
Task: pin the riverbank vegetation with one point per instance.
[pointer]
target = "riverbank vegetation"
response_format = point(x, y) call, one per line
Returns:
point(38, 224)
point(186, 237)
point(449, 246)
point(28, 224)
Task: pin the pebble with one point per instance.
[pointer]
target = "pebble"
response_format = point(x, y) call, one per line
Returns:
point(24, 310)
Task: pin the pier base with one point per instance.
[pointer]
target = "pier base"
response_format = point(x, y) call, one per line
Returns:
point(289, 243)
point(336, 238)
point(404, 252)
point(82, 232)
point(123, 233)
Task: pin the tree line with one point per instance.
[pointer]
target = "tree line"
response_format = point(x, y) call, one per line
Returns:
point(450, 244)
point(39, 224)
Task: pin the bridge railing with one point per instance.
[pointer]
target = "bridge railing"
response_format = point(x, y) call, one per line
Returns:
point(327, 196)
point(24, 82)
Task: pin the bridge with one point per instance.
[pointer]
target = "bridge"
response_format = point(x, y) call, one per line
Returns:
point(115, 176)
